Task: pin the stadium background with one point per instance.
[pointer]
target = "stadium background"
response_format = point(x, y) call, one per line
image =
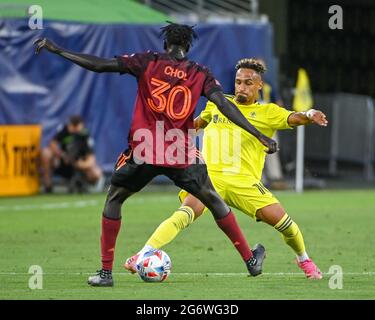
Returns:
point(287, 34)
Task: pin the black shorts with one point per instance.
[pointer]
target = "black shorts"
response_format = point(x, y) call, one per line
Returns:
point(132, 176)
point(64, 170)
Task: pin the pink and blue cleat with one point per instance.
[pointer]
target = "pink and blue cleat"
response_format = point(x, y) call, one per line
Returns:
point(131, 263)
point(310, 269)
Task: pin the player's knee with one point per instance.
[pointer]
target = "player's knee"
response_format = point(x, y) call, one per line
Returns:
point(272, 214)
point(46, 154)
point(195, 204)
point(117, 195)
point(115, 198)
point(208, 194)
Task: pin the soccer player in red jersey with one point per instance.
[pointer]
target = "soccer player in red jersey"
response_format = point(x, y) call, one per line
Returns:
point(161, 136)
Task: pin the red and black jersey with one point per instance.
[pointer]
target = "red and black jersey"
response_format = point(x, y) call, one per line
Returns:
point(168, 92)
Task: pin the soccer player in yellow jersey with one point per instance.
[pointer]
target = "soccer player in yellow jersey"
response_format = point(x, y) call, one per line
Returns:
point(235, 161)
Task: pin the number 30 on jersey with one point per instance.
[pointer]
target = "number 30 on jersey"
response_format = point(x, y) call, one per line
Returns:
point(166, 101)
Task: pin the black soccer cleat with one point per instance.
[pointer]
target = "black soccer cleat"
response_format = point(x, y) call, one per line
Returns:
point(103, 278)
point(254, 264)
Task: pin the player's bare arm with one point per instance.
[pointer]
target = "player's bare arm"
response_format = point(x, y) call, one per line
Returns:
point(86, 61)
point(229, 110)
point(199, 123)
point(57, 152)
point(310, 116)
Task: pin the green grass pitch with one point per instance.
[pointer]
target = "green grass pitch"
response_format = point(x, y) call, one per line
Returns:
point(61, 234)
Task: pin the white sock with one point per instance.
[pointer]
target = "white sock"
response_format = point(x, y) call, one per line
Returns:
point(302, 257)
point(145, 249)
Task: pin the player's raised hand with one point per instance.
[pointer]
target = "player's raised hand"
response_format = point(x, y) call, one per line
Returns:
point(45, 43)
point(269, 143)
point(318, 117)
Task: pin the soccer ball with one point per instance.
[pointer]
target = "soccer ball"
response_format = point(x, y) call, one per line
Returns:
point(154, 266)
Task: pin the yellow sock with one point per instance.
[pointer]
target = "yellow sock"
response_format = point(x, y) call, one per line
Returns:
point(291, 234)
point(171, 227)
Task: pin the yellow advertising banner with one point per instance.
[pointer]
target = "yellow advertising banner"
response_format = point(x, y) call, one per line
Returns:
point(19, 159)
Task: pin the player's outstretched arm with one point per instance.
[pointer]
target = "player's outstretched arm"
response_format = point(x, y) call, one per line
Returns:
point(229, 110)
point(86, 61)
point(310, 116)
point(199, 123)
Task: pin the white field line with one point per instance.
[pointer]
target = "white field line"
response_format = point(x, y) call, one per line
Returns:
point(49, 206)
point(77, 204)
point(183, 274)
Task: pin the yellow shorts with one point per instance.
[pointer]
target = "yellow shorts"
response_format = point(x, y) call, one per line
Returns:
point(243, 193)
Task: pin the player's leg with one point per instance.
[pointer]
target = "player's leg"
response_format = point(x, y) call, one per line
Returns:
point(111, 223)
point(252, 198)
point(275, 215)
point(191, 209)
point(89, 168)
point(127, 179)
point(226, 221)
point(46, 168)
point(195, 180)
point(92, 172)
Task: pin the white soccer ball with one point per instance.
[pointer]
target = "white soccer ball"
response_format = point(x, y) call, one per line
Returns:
point(154, 266)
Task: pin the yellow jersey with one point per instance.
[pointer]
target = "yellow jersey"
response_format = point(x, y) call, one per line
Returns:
point(228, 149)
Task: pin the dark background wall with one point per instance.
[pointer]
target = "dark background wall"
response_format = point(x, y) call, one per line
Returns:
point(336, 60)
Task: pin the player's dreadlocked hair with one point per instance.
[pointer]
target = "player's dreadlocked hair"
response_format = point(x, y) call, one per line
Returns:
point(178, 34)
point(254, 64)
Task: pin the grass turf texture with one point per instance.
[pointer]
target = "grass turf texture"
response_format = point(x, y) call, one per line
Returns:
point(61, 234)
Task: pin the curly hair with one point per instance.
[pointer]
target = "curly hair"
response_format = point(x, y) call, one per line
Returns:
point(178, 34)
point(254, 64)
